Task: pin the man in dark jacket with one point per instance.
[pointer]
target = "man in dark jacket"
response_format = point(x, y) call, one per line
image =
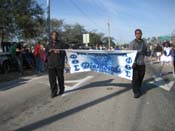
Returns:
point(56, 61)
point(139, 64)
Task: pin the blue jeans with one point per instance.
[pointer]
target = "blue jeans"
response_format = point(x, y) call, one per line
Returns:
point(39, 65)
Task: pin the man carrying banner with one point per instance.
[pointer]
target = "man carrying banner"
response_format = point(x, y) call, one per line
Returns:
point(55, 61)
point(139, 65)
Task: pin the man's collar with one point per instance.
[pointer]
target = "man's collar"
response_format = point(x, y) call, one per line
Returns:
point(139, 40)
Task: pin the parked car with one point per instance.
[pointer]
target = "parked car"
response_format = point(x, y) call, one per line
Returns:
point(8, 62)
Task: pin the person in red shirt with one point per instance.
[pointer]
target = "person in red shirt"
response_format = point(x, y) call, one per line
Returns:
point(37, 57)
point(42, 54)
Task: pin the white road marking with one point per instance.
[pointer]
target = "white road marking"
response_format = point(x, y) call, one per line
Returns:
point(160, 82)
point(76, 86)
point(168, 86)
point(36, 78)
point(72, 81)
point(68, 89)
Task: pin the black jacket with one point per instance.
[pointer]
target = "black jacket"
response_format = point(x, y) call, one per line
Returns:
point(55, 60)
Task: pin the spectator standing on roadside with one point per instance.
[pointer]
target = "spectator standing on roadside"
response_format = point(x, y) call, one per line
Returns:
point(16, 51)
point(151, 47)
point(173, 56)
point(166, 56)
point(37, 57)
point(158, 50)
point(43, 58)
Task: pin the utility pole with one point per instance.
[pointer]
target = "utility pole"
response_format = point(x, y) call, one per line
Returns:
point(48, 19)
point(109, 35)
point(1, 28)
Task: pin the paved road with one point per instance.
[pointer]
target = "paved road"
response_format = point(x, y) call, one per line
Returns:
point(92, 102)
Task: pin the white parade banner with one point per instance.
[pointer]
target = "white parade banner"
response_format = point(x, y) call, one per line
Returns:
point(117, 63)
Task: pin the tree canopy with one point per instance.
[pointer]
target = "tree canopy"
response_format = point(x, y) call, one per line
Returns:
point(20, 19)
point(24, 20)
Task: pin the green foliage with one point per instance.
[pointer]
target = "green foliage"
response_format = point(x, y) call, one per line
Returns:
point(24, 19)
point(105, 42)
point(21, 18)
point(95, 38)
point(56, 25)
point(73, 34)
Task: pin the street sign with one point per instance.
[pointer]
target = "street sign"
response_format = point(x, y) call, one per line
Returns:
point(86, 39)
point(164, 38)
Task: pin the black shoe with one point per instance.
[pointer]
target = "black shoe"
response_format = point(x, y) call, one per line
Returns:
point(53, 95)
point(136, 95)
point(61, 92)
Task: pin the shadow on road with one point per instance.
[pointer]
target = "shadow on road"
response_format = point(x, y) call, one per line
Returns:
point(17, 82)
point(103, 84)
point(99, 84)
point(49, 120)
point(12, 84)
point(148, 86)
point(67, 113)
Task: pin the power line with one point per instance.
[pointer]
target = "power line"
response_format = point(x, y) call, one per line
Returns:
point(84, 14)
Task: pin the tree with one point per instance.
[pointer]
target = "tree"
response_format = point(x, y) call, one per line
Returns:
point(73, 34)
point(95, 38)
point(154, 40)
point(20, 19)
point(173, 36)
point(105, 42)
point(56, 25)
